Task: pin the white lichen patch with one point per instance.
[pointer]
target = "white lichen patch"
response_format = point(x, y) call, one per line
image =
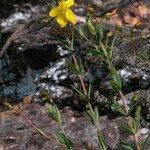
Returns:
point(33, 82)
point(61, 51)
point(56, 72)
point(145, 76)
point(18, 16)
point(125, 74)
point(144, 131)
point(57, 90)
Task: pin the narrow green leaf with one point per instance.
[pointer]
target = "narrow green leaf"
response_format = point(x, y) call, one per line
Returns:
point(81, 31)
point(102, 142)
point(96, 116)
point(137, 118)
point(54, 113)
point(81, 67)
point(90, 113)
point(100, 33)
point(113, 41)
point(115, 85)
point(116, 79)
point(90, 26)
point(74, 68)
point(127, 147)
point(127, 130)
point(144, 56)
point(70, 43)
point(133, 106)
point(58, 114)
point(104, 50)
point(79, 92)
point(118, 108)
point(109, 50)
point(95, 52)
point(64, 140)
point(67, 48)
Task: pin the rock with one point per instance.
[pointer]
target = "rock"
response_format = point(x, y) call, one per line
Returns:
point(22, 136)
point(45, 50)
point(26, 13)
point(34, 82)
point(36, 44)
point(20, 13)
point(19, 134)
point(39, 46)
point(11, 6)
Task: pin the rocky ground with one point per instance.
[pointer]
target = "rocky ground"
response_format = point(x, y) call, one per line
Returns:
point(32, 60)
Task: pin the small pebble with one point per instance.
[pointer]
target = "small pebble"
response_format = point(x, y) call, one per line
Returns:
point(144, 131)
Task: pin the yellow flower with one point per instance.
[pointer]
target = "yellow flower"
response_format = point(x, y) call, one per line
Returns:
point(62, 13)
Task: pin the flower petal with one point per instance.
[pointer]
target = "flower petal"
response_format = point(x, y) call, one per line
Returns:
point(61, 20)
point(54, 12)
point(69, 3)
point(70, 16)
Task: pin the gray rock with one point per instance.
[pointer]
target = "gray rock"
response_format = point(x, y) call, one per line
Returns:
point(17, 133)
point(38, 45)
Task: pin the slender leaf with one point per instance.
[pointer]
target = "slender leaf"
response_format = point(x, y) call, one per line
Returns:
point(64, 140)
point(90, 113)
point(127, 130)
point(115, 85)
point(116, 79)
point(118, 108)
point(127, 147)
point(102, 142)
point(79, 92)
point(81, 31)
point(74, 68)
point(96, 116)
point(90, 26)
point(104, 50)
point(133, 106)
point(81, 67)
point(100, 33)
point(137, 118)
point(95, 52)
point(54, 113)
point(144, 56)
point(113, 41)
